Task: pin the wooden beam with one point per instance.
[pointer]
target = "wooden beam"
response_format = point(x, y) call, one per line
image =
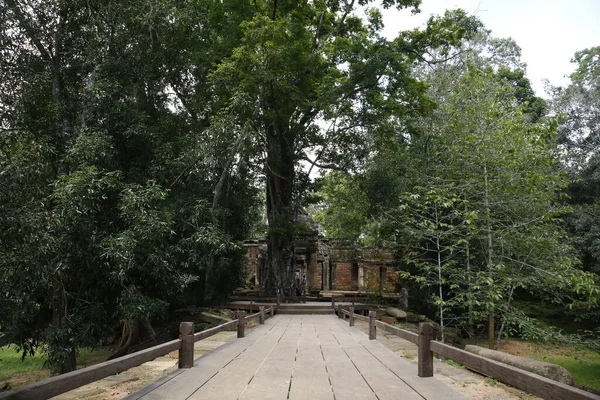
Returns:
point(372, 329)
point(425, 368)
point(241, 326)
point(403, 333)
point(513, 376)
point(72, 380)
point(213, 331)
point(186, 351)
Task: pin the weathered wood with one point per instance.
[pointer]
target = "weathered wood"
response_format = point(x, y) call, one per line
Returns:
point(430, 389)
point(339, 309)
point(261, 318)
point(300, 357)
point(426, 331)
point(361, 317)
point(372, 331)
point(333, 302)
point(403, 333)
point(351, 316)
point(213, 331)
point(186, 351)
point(272, 311)
point(63, 383)
point(252, 316)
point(524, 380)
point(241, 326)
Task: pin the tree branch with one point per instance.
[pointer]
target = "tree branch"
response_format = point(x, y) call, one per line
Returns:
point(26, 26)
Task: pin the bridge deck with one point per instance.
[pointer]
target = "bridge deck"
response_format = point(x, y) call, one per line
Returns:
point(299, 357)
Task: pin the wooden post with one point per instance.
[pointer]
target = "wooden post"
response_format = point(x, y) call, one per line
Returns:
point(272, 311)
point(186, 351)
point(241, 324)
point(426, 331)
point(332, 302)
point(340, 315)
point(278, 299)
point(372, 332)
point(261, 317)
point(351, 318)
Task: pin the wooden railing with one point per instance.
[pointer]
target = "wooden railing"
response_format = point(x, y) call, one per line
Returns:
point(185, 344)
point(516, 377)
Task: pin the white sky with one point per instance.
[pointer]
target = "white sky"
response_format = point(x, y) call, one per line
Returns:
point(549, 32)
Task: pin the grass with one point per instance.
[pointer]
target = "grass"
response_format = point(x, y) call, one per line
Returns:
point(18, 373)
point(585, 368)
point(453, 363)
point(490, 381)
point(582, 363)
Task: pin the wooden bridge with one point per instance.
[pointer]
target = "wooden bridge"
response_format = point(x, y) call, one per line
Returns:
point(300, 357)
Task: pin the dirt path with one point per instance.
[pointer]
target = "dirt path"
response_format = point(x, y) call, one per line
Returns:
point(125, 383)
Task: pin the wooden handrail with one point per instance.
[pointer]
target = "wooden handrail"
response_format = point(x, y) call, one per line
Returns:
point(403, 333)
point(56, 385)
point(513, 376)
point(356, 316)
point(213, 331)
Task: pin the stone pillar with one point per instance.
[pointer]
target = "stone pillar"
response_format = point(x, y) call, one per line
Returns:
point(332, 267)
point(326, 283)
point(361, 276)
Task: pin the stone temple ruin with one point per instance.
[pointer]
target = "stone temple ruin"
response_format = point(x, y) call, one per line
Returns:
point(331, 267)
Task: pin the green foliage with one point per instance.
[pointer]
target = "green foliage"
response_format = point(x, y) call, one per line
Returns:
point(109, 166)
point(344, 214)
point(527, 328)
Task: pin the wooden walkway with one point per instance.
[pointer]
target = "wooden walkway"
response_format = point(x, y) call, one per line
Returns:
point(309, 357)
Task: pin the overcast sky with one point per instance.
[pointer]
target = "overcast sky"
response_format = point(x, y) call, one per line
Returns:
point(549, 32)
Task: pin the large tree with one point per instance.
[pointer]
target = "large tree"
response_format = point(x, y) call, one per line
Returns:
point(318, 84)
point(122, 192)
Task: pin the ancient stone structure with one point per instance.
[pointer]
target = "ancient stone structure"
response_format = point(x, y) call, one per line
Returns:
point(329, 265)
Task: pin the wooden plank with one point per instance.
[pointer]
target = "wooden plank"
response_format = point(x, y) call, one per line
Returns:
point(272, 380)
point(403, 333)
point(385, 384)
point(63, 383)
point(231, 381)
point(428, 388)
point(346, 381)
point(154, 385)
point(521, 379)
point(310, 379)
point(208, 366)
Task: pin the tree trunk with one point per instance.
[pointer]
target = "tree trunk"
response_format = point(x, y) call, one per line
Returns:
point(470, 322)
point(279, 266)
point(491, 321)
point(439, 265)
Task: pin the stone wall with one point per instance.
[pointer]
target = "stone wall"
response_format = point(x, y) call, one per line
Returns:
point(349, 268)
point(343, 276)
